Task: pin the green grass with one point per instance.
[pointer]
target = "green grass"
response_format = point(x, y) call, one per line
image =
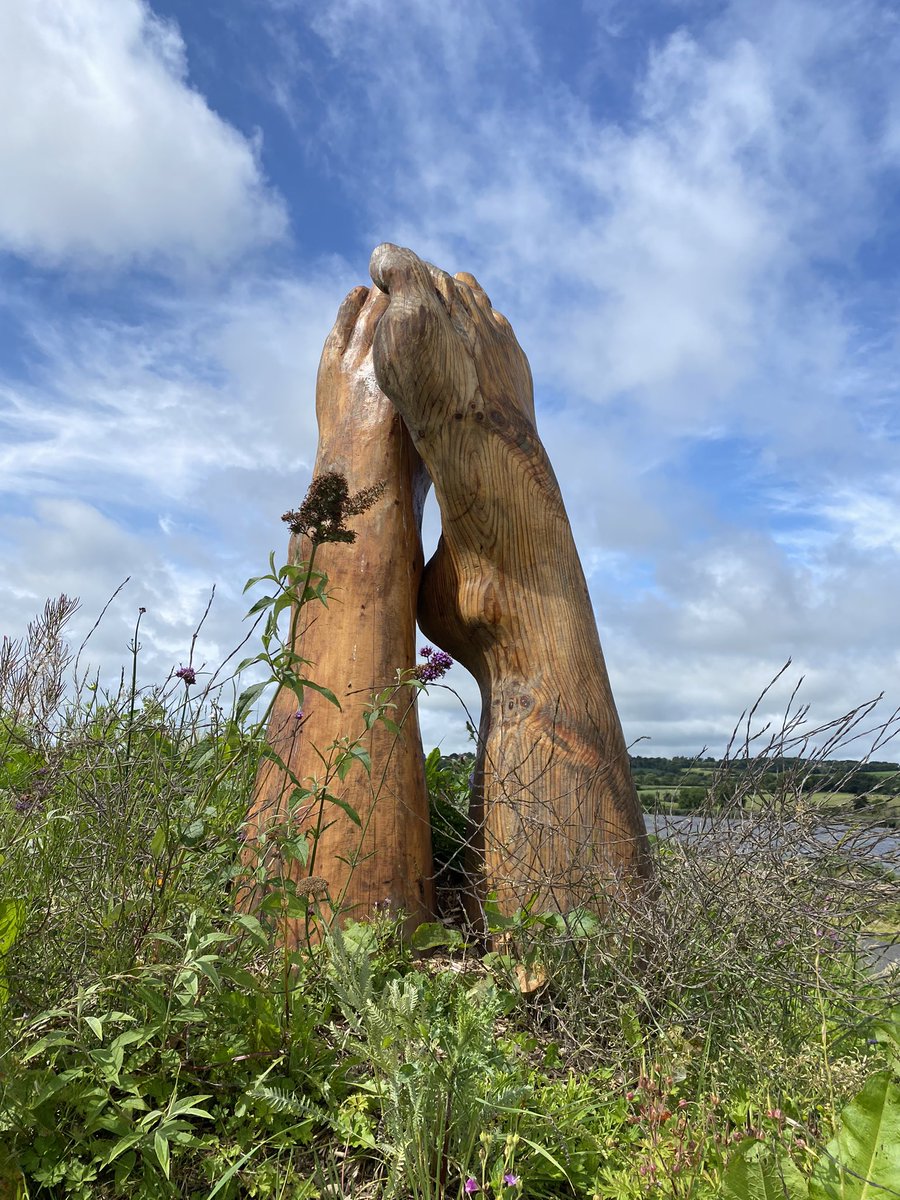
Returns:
point(156, 1043)
point(841, 804)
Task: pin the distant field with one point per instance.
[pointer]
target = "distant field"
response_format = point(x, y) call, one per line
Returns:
point(655, 797)
point(682, 784)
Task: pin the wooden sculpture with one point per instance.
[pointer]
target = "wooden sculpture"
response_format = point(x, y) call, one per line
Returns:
point(355, 647)
point(555, 816)
point(558, 816)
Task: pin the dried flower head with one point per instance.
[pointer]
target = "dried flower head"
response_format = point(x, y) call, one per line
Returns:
point(323, 514)
point(315, 885)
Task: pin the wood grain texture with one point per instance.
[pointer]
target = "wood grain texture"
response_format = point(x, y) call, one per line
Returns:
point(356, 646)
point(505, 594)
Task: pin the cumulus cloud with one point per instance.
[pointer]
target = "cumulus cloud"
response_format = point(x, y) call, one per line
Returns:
point(153, 411)
point(679, 259)
point(676, 266)
point(164, 452)
point(107, 154)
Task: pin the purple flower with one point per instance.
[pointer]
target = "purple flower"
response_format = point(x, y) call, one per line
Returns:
point(510, 1180)
point(298, 715)
point(471, 1186)
point(188, 674)
point(436, 667)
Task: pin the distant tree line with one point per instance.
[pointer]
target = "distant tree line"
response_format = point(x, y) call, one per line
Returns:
point(691, 777)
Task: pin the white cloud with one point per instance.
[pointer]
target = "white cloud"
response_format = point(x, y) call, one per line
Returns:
point(669, 272)
point(663, 266)
point(166, 452)
point(151, 412)
point(870, 519)
point(106, 153)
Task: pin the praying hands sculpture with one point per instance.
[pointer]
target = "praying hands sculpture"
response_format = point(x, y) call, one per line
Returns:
point(422, 381)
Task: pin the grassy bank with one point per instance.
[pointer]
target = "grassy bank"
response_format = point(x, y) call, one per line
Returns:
point(157, 1044)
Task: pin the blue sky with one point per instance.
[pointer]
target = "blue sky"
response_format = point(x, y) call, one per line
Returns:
point(689, 211)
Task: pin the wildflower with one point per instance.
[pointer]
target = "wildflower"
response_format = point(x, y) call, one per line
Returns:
point(471, 1186)
point(188, 674)
point(328, 504)
point(511, 1180)
point(437, 665)
point(298, 715)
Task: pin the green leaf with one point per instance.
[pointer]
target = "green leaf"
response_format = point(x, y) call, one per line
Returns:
point(344, 806)
point(432, 934)
point(109, 1059)
point(247, 697)
point(285, 904)
point(353, 753)
point(362, 756)
point(123, 1144)
point(295, 850)
point(753, 1174)
point(496, 920)
point(97, 1025)
point(187, 1105)
point(323, 691)
point(233, 1170)
point(258, 579)
point(887, 1031)
point(206, 964)
point(12, 918)
point(285, 600)
point(253, 927)
point(433, 761)
point(544, 1153)
point(161, 1146)
point(52, 1040)
point(273, 756)
point(193, 834)
point(262, 603)
point(864, 1157)
point(132, 1037)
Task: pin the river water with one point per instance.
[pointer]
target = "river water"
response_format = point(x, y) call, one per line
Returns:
point(876, 842)
point(879, 841)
